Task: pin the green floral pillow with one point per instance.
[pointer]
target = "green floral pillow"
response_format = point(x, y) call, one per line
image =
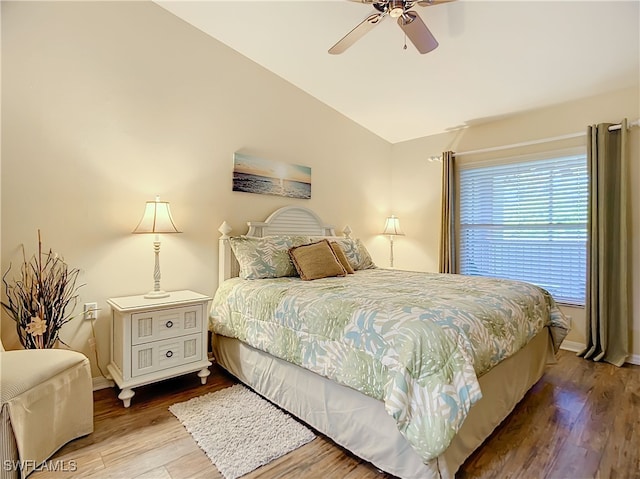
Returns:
point(266, 257)
point(363, 258)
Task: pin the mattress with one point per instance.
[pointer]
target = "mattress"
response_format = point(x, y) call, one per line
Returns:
point(415, 341)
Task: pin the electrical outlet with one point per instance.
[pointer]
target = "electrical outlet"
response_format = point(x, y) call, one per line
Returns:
point(570, 319)
point(90, 310)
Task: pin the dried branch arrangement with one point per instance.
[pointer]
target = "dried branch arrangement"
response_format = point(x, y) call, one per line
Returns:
point(43, 299)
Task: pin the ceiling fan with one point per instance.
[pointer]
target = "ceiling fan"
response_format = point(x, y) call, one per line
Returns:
point(409, 21)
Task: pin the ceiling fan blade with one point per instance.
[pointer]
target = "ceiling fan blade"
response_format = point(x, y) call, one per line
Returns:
point(417, 31)
point(357, 33)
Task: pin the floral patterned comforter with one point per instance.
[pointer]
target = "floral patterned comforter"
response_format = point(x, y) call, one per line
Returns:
point(416, 341)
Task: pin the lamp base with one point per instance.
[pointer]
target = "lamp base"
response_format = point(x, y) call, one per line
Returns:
point(156, 294)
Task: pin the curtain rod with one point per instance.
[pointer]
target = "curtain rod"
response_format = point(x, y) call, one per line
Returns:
point(543, 140)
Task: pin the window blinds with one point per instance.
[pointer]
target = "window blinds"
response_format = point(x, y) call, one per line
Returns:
point(527, 221)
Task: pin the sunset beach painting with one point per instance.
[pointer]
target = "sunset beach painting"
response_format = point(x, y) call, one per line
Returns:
point(266, 177)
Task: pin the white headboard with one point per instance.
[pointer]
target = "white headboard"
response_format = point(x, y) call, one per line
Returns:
point(289, 220)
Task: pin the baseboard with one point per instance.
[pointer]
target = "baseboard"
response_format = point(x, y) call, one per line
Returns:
point(572, 346)
point(101, 382)
point(577, 347)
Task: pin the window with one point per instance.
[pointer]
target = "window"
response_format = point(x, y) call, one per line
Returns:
point(527, 220)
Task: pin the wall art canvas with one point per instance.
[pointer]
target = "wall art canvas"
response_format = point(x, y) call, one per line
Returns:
point(266, 177)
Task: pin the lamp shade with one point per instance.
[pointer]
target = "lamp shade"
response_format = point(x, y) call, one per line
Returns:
point(156, 218)
point(392, 227)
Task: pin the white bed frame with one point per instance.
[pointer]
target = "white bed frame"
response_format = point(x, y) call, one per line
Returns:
point(351, 419)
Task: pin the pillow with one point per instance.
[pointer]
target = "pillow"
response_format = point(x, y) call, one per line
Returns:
point(266, 257)
point(337, 250)
point(357, 254)
point(316, 260)
point(364, 260)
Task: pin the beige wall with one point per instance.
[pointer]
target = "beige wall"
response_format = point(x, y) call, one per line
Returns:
point(419, 211)
point(105, 104)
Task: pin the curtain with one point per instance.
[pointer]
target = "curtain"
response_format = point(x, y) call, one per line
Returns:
point(447, 260)
point(608, 275)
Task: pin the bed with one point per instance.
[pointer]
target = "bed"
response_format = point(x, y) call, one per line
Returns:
point(409, 371)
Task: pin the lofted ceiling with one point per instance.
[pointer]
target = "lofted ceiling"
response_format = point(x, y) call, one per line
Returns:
point(495, 57)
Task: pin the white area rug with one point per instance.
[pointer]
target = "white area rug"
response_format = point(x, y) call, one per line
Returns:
point(238, 430)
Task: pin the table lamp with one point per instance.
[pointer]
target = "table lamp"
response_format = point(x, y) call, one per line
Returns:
point(392, 228)
point(156, 219)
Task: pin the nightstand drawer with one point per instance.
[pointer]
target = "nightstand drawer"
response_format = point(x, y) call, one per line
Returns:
point(165, 323)
point(156, 356)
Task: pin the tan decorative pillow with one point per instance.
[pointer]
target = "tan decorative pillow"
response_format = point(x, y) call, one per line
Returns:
point(316, 260)
point(355, 251)
point(339, 252)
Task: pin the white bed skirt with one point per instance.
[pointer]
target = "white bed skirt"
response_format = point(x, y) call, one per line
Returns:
point(361, 424)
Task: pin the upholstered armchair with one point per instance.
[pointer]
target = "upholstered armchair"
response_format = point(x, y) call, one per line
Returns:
point(47, 401)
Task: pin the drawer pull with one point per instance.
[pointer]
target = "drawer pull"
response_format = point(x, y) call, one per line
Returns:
point(169, 354)
point(169, 324)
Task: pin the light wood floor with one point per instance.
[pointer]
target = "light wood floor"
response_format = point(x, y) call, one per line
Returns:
point(581, 420)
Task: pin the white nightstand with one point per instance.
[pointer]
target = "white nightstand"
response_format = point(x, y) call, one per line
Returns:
point(155, 339)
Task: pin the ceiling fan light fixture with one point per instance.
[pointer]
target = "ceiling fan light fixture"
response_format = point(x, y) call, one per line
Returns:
point(396, 8)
